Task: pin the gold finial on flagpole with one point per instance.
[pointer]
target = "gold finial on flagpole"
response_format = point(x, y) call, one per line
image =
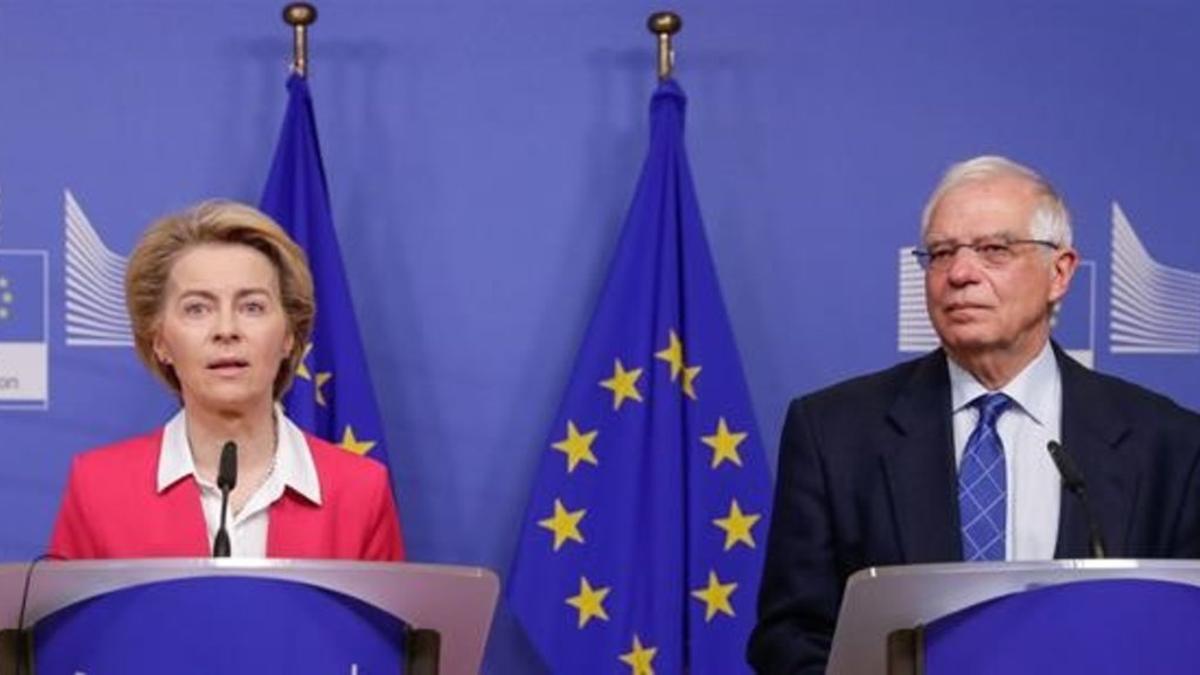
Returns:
point(664, 25)
point(299, 15)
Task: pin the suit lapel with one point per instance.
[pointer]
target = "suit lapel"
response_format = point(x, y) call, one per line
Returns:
point(1093, 430)
point(920, 466)
point(295, 528)
point(184, 520)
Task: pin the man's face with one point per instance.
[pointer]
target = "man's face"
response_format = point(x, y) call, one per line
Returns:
point(979, 308)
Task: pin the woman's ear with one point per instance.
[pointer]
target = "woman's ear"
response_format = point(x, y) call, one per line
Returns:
point(160, 351)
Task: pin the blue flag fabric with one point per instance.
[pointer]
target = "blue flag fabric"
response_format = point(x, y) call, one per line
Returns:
point(331, 396)
point(642, 543)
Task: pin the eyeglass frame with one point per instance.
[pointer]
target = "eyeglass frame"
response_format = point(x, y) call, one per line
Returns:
point(925, 256)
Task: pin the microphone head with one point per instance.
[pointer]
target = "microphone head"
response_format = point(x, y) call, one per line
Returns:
point(227, 473)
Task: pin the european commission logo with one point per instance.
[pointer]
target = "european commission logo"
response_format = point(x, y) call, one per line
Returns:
point(94, 308)
point(1154, 309)
point(95, 285)
point(24, 353)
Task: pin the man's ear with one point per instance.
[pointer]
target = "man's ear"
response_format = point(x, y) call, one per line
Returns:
point(1062, 270)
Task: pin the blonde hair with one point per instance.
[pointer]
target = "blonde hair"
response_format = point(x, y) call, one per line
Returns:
point(215, 222)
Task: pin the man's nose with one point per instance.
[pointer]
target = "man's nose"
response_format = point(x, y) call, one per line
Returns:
point(964, 267)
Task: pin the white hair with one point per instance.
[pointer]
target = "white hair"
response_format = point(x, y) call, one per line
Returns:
point(1050, 220)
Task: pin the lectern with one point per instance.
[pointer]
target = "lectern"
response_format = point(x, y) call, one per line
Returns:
point(1064, 616)
point(215, 615)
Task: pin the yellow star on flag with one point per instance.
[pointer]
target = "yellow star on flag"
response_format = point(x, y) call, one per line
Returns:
point(724, 444)
point(304, 373)
point(715, 597)
point(640, 659)
point(322, 378)
point(589, 602)
point(737, 526)
point(673, 354)
point(577, 447)
point(302, 368)
point(623, 384)
point(689, 379)
point(349, 442)
point(564, 524)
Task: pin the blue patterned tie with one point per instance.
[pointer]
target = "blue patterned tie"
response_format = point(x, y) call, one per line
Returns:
point(982, 484)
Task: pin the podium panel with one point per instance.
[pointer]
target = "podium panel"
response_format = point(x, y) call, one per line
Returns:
point(230, 625)
point(1111, 626)
point(448, 608)
point(881, 601)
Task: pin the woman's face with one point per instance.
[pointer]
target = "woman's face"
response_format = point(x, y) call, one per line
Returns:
point(223, 328)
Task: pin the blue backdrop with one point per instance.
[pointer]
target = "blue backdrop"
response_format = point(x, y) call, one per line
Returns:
point(481, 157)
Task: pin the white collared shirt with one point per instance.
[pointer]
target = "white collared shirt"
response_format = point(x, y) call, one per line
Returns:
point(1034, 419)
point(294, 468)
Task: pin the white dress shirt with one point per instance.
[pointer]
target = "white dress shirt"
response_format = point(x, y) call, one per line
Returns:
point(293, 468)
point(1034, 419)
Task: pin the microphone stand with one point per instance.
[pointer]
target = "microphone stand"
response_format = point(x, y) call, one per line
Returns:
point(1072, 479)
point(226, 481)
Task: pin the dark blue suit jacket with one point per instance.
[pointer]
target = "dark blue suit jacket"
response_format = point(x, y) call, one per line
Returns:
point(867, 477)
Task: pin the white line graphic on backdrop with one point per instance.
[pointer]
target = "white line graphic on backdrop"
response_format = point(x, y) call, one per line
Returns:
point(95, 281)
point(1155, 308)
point(915, 332)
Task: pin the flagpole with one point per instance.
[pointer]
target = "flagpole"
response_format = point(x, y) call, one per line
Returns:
point(664, 25)
point(299, 15)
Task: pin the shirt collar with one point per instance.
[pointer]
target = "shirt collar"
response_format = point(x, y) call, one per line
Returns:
point(296, 467)
point(175, 456)
point(294, 464)
point(1029, 390)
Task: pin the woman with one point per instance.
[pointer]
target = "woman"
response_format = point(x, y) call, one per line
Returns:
point(221, 302)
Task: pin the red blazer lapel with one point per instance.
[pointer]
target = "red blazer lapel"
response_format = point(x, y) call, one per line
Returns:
point(183, 530)
point(297, 529)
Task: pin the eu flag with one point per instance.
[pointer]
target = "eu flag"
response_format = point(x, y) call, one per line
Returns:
point(642, 542)
point(331, 396)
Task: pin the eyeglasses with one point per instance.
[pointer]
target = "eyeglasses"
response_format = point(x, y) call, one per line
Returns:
point(993, 253)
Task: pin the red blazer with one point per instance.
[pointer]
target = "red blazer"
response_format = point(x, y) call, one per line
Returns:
point(112, 509)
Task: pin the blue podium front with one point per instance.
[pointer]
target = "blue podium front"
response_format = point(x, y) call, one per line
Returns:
point(1108, 626)
point(222, 624)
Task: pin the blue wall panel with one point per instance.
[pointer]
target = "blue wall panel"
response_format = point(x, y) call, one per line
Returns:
point(481, 156)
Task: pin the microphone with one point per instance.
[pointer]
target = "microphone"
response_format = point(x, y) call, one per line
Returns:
point(1072, 479)
point(16, 646)
point(226, 481)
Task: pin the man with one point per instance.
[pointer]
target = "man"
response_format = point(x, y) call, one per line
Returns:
point(945, 457)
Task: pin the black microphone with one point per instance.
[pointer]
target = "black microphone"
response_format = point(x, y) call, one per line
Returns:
point(1072, 479)
point(16, 646)
point(226, 481)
